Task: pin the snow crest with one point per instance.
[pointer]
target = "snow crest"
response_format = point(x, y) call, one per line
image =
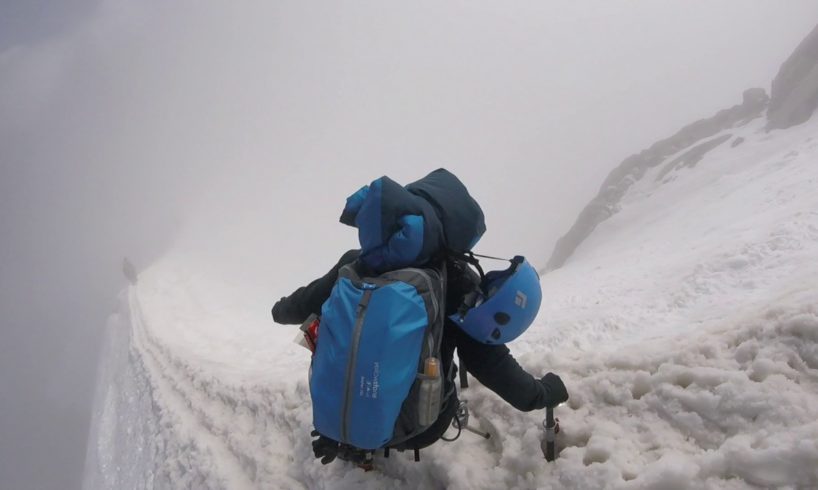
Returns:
point(685, 327)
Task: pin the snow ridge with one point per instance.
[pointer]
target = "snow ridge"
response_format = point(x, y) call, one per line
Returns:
point(618, 183)
point(684, 324)
point(685, 328)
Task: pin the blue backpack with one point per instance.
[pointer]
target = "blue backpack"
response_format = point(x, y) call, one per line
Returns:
point(369, 383)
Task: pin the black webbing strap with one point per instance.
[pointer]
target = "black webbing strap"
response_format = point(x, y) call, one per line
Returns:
point(471, 258)
point(464, 377)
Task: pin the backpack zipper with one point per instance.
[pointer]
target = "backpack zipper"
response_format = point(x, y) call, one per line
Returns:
point(430, 284)
point(353, 358)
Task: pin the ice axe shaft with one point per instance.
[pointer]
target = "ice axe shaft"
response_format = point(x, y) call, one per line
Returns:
point(461, 419)
point(484, 435)
point(551, 426)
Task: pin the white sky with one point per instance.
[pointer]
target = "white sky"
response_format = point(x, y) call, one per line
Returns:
point(236, 133)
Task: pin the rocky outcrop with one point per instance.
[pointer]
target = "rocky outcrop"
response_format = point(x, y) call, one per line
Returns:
point(633, 168)
point(794, 98)
point(794, 94)
point(691, 157)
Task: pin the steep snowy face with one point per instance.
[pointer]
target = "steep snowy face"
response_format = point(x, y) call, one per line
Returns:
point(793, 101)
point(687, 147)
point(686, 324)
point(685, 327)
point(690, 245)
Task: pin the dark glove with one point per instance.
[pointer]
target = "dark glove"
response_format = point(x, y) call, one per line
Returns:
point(555, 390)
point(283, 313)
point(324, 448)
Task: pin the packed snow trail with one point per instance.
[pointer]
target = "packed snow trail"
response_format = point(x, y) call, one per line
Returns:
point(685, 327)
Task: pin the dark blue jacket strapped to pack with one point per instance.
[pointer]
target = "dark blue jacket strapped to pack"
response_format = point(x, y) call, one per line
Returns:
point(409, 226)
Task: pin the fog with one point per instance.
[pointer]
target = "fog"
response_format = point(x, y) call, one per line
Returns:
point(231, 136)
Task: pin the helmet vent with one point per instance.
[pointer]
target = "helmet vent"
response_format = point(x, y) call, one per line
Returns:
point(495, 334)
point(502, 318)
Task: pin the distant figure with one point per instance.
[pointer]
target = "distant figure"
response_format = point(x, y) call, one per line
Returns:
point(129, 271)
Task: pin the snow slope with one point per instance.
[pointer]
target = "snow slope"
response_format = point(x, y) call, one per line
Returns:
point(685, 327)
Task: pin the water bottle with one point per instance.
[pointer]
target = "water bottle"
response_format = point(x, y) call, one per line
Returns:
point(429, 393)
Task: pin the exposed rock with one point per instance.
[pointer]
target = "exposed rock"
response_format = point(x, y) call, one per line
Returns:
point(794, 94)
point(633, 168)
point(691, 157)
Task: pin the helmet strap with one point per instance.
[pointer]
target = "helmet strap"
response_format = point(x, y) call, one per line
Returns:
point(471, 258)
point(489, 257)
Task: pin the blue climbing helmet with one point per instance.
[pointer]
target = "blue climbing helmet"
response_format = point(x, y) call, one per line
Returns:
point(504, 306)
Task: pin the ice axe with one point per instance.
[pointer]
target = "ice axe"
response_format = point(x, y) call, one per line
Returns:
point(461, 421)
point(552, 428)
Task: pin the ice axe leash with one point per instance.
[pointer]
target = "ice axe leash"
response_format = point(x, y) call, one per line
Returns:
point(552, 428)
